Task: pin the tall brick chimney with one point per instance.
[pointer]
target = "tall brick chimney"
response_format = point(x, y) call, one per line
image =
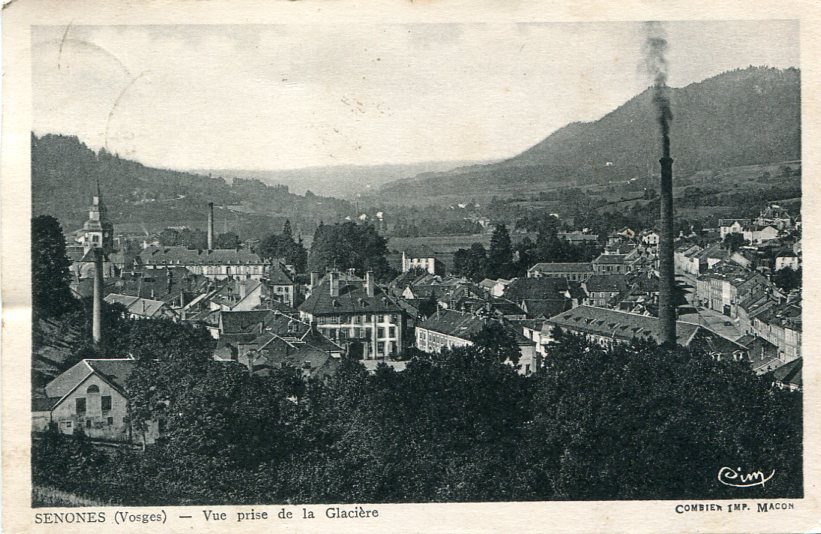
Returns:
point(369, 284)
point(667, 275)
point(97, 303)
point(210, 226)
point(333, 282)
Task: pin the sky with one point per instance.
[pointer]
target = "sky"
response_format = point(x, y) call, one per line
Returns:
point(284, 97)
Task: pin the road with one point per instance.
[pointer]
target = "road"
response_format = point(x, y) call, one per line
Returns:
point(711, 319)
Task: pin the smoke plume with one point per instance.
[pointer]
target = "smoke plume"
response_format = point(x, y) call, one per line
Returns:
point(655, 63)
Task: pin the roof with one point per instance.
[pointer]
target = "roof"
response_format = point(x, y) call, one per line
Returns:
point(546, 307)
point(115, 371)
point(136, 305)
point(612, 283)
point(278, 276)
point(562, 267)
point(43, 404)
point(790, 373)
point(238, 322)
point(185, 256)
point(352, 298)
point(610, 259)
point(536, 288)
point(419, 251)
point(625, 326)
point(453, 323)
point(730, 222)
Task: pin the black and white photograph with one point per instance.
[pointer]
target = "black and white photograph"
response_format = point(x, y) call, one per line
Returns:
point(353, 265)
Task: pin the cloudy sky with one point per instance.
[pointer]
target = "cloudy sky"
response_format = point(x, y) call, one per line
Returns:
point(279, 97)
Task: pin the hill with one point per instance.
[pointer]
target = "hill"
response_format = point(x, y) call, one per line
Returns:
point(341, 181)
point(64, 172)
point(742, 117)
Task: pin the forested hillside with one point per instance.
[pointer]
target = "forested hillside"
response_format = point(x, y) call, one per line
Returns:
point(742, 117)
point(64, 172)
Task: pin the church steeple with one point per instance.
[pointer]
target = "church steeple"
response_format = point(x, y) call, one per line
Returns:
point(98, 230)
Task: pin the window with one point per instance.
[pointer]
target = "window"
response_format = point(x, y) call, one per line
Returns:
point(68, 424)
point(105, 402)
point(110, 421)
point(88, 423)
point(93, 389)
point(80, 405)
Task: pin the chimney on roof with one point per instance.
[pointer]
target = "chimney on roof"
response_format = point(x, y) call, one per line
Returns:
point(97, 305)
point(210, 226)
point(242, 289)
point(369, 284)
point(314, 279)
point(333, 282)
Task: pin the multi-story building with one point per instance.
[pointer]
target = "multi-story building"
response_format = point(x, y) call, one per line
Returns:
point(358, 315)
point(576, 272)
point(609, 327)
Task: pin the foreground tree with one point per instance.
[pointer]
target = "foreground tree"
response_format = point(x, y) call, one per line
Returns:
point(50, 277)
point(643, 422)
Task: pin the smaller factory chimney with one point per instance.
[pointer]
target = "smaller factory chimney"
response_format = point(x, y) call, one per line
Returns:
point(210, 226)
point(369, 287)
point(333, 282)
point(97, 305)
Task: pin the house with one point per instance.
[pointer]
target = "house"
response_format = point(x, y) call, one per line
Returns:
point(602, 288)
point(763, 355)
point(788, 376)
point(139, 308)
point(579, 238)
point(520, 289)
point(289, 342)
point(610, 264)
point(758, 234)
point(732, 226)
point(787, 259)
point(650, 238)
point(91, 395)
point(237, 295)
point(421, 257)
point(686, 259)
point(577, 272)
point(449, 329)
point(608, 327)
point(496, 288)
point(781, 325)
point(282, 286)
point(358, 315)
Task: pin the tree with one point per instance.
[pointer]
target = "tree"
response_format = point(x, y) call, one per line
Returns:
point(286, 229)
point(788, 278)
point(283, 247)
point(228, 240)
point(601, 417)
point(169, 237)
point(500, 254)
point(471, 263)
point(50, 277)
point(350, 246)
point(733, 241)
point(497, 342)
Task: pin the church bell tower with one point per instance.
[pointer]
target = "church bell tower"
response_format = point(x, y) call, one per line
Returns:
point(98, 232)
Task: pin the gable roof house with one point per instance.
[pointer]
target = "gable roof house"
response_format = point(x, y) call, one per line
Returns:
point(577, 272)
point(92, 395)
point(139, 308)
